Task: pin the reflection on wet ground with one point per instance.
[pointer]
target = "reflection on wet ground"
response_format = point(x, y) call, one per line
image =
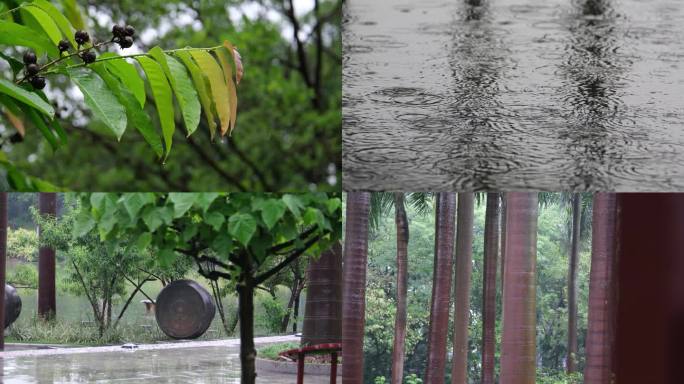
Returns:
point(187, 363)
point(513, 94)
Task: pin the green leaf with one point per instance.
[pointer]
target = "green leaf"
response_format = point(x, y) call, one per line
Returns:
point(181, 202)
point(166, 257)
point(218, 86)
point(200, 81)
point(44, 21)
point(204, 200)
point(29, 98)
point(101, 100)
point(242, 226)
point(182, 88)
point(83, 224)
point(315, 216)
point(271, 211)
point(153, 217)
point(214, 219)
point(294, 204)
point(162, 97)
point(136, 115)
point(133, 202)
point(59, 19)
point(222, 244)
point(12, 34)
point(225, 58)
point(333, 204)
point(128, 75)
point(16, 65)
point(143, 241)
point(39, 123)
point(74, 14)
point(189, 232)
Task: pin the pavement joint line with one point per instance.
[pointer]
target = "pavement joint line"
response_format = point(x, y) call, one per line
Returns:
point(145, 347)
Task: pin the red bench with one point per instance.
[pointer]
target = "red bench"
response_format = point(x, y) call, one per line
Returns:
point(318, 349)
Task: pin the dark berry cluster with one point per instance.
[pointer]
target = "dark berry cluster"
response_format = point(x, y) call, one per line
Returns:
point(32, 69)
point(81, 37)
point(123, 35)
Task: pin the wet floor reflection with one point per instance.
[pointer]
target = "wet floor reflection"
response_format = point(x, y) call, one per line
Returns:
point(513, 94)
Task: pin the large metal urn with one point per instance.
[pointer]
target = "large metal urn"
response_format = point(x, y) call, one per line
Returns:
point(12, 305)
point(184, 310)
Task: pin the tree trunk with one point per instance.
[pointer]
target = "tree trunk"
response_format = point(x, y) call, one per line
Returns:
point(502, 240)
point(464, 266)
point(47, 305)
point(247, 349)
point(354, 288)
point(290, 305)
point(518, 349)
point(402, 289)
point(295, 312)
point(3, 264)
point(323, 305)
point(571, 359)
point(601, 323)
point(441, 287)
point(491, 251)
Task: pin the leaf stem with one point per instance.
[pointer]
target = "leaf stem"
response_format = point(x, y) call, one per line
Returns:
point(14, 9)
point(171, 51)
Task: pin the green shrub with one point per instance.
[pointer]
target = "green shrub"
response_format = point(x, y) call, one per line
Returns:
point(271, 351)
point(24, 275)
point(274, 311)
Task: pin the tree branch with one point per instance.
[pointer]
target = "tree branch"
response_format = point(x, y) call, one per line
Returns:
point(264, 276)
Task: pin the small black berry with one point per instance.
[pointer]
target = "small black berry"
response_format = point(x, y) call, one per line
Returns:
point(118, 30)
point(32, 69)
point(130, 31)
point(38, 82)
point(89, 57)
point(81, 37)
point(63, 46)
point(126, 42)
point(16, 138)
point(30, 58)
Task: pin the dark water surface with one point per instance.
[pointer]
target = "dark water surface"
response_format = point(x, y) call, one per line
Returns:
point(514, 94)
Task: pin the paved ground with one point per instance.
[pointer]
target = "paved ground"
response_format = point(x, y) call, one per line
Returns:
point(206, 362)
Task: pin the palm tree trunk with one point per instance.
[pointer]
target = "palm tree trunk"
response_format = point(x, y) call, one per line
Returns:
point(572, 283)
point(464, 266)
point(601, 322)
point(3, 263)
point(323, 305)
point(518, 350)
point(491, 251)
point(354, 288)
point(441, 287)
point(504, 210)
point(402, 289)
point(47, 305)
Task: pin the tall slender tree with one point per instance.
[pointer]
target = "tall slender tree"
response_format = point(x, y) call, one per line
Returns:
point(571, 360)
point(491, 253)
point(518, 349)
point(463, 270)
point(402, 289)
point(47, 304)
point(504, 205)
point(3, 264)
point(599, 367)
point(354, 288)
point(441, 287)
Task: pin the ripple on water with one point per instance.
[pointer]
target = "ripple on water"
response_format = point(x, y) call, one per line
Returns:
point(405, 96)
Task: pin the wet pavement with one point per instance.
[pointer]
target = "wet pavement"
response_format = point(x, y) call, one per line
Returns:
point(187, 362)
point(513, 94)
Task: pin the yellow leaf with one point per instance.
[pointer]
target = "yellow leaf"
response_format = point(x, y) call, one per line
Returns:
point(217, 84)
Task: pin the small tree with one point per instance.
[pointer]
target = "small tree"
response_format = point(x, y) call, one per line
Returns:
point(229, 236)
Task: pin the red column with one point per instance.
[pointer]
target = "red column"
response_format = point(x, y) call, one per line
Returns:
point(650, 311)
point(47, 306)
point(3, 260)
